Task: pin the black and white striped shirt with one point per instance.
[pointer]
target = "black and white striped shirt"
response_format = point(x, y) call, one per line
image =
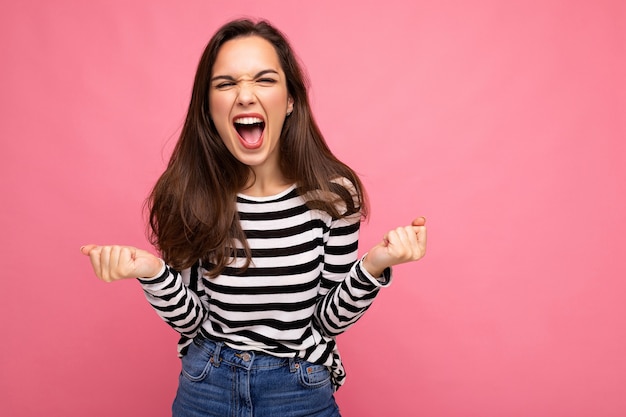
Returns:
point(304, 285)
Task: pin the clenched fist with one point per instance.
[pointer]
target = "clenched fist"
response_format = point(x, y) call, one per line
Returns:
point(112, 263)
point(400, 245)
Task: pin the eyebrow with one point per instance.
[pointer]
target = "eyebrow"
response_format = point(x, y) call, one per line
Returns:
point(257, 75)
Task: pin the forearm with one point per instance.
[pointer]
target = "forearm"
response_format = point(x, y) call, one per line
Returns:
point(174, 302)
point(345, 303)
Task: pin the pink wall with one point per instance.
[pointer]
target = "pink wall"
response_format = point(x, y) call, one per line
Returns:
point(503, 122)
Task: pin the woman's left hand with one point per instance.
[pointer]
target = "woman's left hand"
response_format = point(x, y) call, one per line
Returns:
point(400, 245)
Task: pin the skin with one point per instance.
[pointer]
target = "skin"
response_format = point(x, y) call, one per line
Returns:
point(247, 79)
point(400, 245)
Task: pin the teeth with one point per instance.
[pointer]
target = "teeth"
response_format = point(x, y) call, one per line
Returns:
point(248, 120)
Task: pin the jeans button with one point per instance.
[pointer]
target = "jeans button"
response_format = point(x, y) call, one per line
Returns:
point(245, 356)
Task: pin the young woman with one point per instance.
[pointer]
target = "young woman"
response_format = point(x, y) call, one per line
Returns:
point(257, 224)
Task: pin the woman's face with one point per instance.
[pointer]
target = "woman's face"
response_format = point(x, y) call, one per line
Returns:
point(249, 101)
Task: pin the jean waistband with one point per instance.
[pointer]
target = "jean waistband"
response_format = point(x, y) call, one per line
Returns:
point(248, 359)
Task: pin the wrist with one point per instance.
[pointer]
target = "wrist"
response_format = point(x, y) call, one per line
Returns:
point(157, 271)
point(371, 269)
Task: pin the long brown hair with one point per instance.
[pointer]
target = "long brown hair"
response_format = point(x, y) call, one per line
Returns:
point(193, 213)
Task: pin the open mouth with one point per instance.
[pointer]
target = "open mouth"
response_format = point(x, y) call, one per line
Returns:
point(250, 130)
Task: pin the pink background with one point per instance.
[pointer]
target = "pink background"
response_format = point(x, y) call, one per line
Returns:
point(504, 123)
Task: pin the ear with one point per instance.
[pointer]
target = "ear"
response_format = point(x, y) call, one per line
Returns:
point(289, 105)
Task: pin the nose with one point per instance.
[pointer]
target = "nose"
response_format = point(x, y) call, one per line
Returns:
point(246, 95)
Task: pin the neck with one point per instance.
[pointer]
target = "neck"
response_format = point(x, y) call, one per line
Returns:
point(264, 184)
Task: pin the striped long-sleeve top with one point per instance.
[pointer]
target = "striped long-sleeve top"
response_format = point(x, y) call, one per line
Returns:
point(303, 287)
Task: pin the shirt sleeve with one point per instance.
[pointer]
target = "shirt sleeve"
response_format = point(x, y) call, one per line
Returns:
point(178, 298)
point(347, 289)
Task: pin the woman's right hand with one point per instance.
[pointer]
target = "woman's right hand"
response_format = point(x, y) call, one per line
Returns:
point(112, 263)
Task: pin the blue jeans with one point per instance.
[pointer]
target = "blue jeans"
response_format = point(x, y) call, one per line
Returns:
point(219, 381)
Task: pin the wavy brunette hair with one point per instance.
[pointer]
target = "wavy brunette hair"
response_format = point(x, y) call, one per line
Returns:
point(192, 207)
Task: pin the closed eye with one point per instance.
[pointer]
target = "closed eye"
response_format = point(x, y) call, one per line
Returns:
point(267, 81)
point(224, 85)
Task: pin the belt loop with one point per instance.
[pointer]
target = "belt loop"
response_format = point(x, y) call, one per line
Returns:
point(216, 354)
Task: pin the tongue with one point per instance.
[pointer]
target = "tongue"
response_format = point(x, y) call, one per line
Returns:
point(250, 133)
